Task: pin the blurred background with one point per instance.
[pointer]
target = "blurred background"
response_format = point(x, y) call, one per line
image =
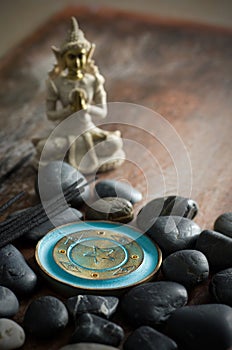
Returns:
point(19, 18)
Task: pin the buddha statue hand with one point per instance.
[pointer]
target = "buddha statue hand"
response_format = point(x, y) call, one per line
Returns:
point(78, 99)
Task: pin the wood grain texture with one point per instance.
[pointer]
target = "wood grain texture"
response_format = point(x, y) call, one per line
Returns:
point(182, 72)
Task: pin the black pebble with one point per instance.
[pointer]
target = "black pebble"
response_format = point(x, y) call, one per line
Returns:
point(45, 317)
point(99, 305)
point(221, 287)
point(152, 303)
point(65, 217)
point(15, 274)
point(51, 179)
point(223, 224)
point(217, 248)
point(113, 188)
point(9, 304)
point(174, 233)
point(94, 329)
point(147, 338)
point(202, 327)
point(112, 209)
point(188, 267)
point(166, 206)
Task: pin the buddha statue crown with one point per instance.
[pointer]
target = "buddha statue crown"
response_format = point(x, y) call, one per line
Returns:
point(75, 38)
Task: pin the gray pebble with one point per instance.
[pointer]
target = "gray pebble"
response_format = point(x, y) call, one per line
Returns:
point(221, 287)
point(88, 346)
point(217, 248)
point(51, 179)
point(67, 216)
point(147, 338)
point(95, 329)
point(166, 206)
point(9, 304)
point(151, 304)
point(45, 317)
point(112, 209)
point(173, 233)
point(99, 305)
point(38, 232)
point(223, 224)
point(15, 274)
point(113, 188)
point(12, 336)
point(202, 327)
point(188, 267)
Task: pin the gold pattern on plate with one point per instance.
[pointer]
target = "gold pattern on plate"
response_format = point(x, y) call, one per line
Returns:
point(98, 255)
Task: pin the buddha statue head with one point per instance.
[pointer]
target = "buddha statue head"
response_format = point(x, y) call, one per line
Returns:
point(74, 54)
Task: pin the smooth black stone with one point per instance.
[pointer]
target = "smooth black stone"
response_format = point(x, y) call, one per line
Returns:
point(147, 338)
point(113, 188)
point(45, 317)
point(221, 287)
point(110, 209)
point(151, 304)
point(51, 180)
point(187, 267)
point(223, 224)
point(217, 248)
point(166, 206)
point(99, 305)
point(92, 328)
point(202, 327)
point(173, 233)
point(67, 216)
point(15, 274)
point(9, 304)
point(12, 335)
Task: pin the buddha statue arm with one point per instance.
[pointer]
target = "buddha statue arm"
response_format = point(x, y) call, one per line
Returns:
point(99, 108)
point(51, 104)
point(60, 114)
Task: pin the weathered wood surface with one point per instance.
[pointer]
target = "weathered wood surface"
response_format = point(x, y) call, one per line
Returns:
point(181, 71)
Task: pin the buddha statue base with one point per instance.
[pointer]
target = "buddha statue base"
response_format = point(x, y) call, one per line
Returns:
point(104, 156)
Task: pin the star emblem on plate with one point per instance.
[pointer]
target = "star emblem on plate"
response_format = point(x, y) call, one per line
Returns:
point(99, 254)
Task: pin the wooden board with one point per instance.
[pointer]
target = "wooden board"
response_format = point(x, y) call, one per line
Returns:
point(181, 71)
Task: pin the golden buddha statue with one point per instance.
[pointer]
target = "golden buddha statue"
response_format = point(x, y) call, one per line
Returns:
point(75, 84)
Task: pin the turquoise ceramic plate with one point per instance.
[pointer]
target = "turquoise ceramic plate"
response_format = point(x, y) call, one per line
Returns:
point(97, 256)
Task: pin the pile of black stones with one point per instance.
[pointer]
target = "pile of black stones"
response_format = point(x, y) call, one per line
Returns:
point(153, 315)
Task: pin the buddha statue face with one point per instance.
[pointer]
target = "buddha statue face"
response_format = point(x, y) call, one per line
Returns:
point(75, 60)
